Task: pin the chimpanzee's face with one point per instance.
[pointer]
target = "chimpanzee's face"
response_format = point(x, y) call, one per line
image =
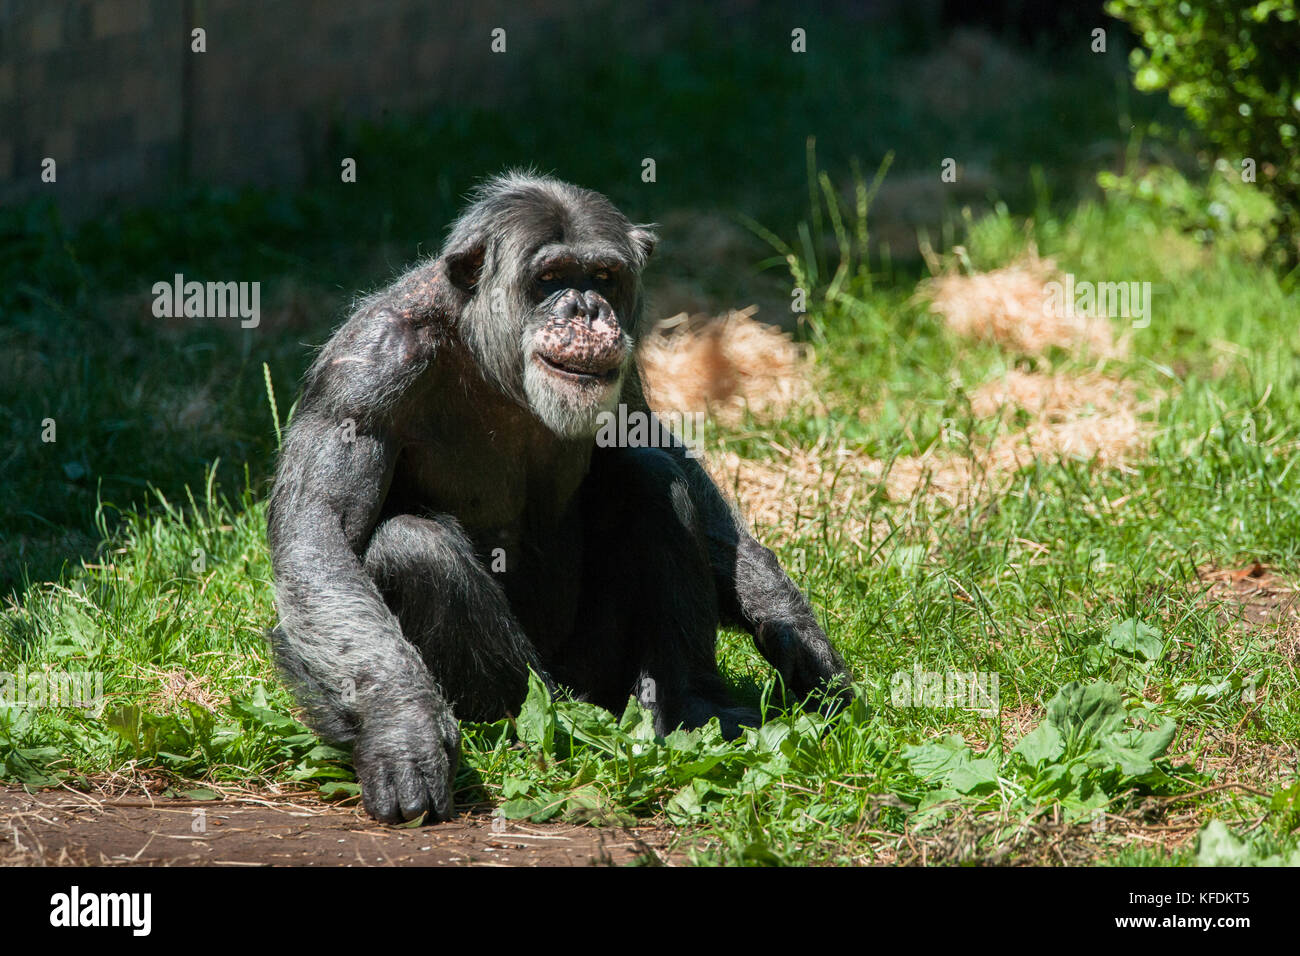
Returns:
point(578, 342)
point(553, 272)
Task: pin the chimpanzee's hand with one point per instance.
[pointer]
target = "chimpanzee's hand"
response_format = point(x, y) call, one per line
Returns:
point(807, 662)
point(406, 761)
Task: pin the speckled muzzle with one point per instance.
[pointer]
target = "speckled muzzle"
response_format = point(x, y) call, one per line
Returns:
point(582, 337)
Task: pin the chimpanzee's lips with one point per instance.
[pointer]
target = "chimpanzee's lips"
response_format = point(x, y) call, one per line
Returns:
point(578, 374)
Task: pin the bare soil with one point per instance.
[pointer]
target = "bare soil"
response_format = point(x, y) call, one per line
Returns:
point(1253, 596)
point(62, 827)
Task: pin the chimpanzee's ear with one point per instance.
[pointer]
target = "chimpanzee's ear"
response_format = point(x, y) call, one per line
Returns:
point(465, 264)
point(643, 241)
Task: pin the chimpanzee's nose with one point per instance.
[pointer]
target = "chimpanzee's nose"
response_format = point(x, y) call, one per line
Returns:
point(571, 305)
point(598, 309)
point(586, 306)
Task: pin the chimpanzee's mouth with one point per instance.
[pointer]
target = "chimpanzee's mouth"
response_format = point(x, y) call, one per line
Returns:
point(577, 374)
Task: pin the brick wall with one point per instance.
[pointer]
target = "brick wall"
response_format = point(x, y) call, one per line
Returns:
point(112, 92)
point(91, 85)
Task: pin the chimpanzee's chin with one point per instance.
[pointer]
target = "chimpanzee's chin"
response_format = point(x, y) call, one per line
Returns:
point(569, 408)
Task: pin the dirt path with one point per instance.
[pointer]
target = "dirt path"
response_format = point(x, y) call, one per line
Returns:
point(64, 828)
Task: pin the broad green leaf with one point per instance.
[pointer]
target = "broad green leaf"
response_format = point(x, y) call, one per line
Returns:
point(326, 772)
point(936, 757)
point(538, 808)
point(979, 775)
point(1135, 639)
point(684, 805)
point(1084, 711)
point(340, 790)
point(512, 787)
point(325, 752)
point(536, 720)
point(771, 736)
point(1043, 743)
point(951, 762)
point(1194, 693)
point(692, 801)
point(1217, 846)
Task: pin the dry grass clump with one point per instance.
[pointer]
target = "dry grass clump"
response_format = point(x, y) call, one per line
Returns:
point(724, 366)
point(177, 685)
point(802, 487)
point(1008, 306)
point(1086, 417)
point(1083, 417)
point(732, 364)
point(792, 494)
point(1053, 396)
point(1047, 415)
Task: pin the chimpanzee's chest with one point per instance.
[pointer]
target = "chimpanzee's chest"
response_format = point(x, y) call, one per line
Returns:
point(485, 488)
point(519, 505)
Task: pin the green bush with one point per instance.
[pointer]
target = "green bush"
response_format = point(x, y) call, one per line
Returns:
point(1222, 210)
point(1235, 68)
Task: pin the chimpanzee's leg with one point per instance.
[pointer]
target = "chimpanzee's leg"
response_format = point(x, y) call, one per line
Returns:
point(455, 612)
point(649, 594)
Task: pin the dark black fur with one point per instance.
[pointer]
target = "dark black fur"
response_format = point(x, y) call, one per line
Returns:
point(431, 443)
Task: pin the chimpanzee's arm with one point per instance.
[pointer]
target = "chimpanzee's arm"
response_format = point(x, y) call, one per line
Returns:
point(337, 642)
point(348, 646)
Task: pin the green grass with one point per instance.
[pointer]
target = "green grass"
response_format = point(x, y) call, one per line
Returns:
point(1078, 588)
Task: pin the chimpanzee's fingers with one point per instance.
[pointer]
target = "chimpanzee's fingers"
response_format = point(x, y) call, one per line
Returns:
point(379, 796)
point(412, 791)
point(439, 790)
point(443, 781)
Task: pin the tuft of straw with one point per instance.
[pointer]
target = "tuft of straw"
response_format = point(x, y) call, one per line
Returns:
point(794, 493)
point(731, 364)
point(1085, 417)
point(1008, 306)
point(176, 686)
point(724, 366)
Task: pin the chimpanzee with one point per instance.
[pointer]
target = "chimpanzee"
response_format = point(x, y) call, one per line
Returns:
point(444, 519)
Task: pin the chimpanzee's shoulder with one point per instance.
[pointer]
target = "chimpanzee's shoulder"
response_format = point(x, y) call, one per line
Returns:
point(390, 340)
point(425, 296)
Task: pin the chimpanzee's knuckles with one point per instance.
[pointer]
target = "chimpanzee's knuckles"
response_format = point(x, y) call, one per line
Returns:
point(439, 770)
point(408, 769)
point(377, 793)
point(808, 662)
point(398, 790)
point(412, 791)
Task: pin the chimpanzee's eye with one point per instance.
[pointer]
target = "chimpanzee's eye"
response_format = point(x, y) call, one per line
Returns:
point(602, 275)
point(547, 276)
